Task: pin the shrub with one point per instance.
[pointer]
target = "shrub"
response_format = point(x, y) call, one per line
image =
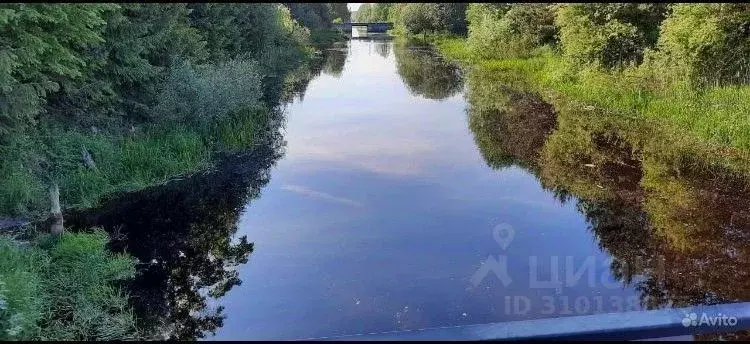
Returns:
point(63, 289)
point(418, 18)
point(706, 43)
point(608, 35)
point(84, 304)
point(204, 93)
point(451, 17)
point(22, 297)
point(501, 31)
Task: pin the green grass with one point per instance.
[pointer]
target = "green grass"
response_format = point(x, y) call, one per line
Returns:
point(455, 48)
point(715, 119)
point(124, 161)
point(22, 301)
point(83, 302)
point(61, 288)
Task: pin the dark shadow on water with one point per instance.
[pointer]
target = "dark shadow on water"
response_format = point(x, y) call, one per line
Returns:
point(677, 233)
point(182, 234)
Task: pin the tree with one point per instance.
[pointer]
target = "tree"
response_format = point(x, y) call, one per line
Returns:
point(43, 46)
point(704, 43)
point(419, 18)
point(376, 12)
point(608, 35)
point(312, 15)
point(451, 17)
point(140, 42)
point(341, 11)
point(501, 30)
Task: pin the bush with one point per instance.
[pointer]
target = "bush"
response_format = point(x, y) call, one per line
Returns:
point(63, 290)
point(84, 304)
point(608, 35)
point(204, 93)
point(22, 293)
point(451, 17)
point(501, 31)
point(418, 18)
point(706, 44)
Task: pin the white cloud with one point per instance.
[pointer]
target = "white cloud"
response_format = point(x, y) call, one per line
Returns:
point(302, 190)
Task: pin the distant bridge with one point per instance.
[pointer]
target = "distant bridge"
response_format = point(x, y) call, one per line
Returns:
point(371, 27)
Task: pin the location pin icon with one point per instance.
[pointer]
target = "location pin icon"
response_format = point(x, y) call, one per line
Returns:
point(503, 234)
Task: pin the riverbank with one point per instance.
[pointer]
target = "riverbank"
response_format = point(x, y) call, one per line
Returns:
point(135, 159)
point(709, 125)
point(100, 104)
point(128, 158)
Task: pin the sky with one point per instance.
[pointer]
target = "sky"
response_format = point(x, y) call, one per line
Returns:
point(353, 6)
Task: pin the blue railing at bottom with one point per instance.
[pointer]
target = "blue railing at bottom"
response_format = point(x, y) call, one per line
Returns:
point(611, 326)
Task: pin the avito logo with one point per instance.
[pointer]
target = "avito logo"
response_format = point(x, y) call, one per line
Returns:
point(692, 319)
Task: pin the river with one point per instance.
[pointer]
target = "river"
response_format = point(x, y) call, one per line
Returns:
point(393, 198)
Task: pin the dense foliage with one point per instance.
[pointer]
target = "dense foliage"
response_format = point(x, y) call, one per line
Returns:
point(609, 35)
point(373, 12)
point(683, 64)
point(148, 91)
point(64, 289)
point(416, 18)
point(648, 131)
point(109, 78)
point(708, 43)
point(501, 30)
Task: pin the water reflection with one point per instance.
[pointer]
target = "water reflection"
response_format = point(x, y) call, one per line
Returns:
point(425, 73)
point(335, 60)
point(183, 232)
point(293, 84)
point(678, 232)
point(383, 48)
point(509, 127)
point(383, 208)
point(183, 235)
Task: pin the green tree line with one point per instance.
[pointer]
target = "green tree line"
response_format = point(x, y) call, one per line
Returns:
point(101, 98)
point(416, 18)
point(112, 80)
point(706, 43)
point(685, 65)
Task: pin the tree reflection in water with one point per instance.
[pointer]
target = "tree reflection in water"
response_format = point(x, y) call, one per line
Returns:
point(382, 48)
point(425, 73)
point(335, 60)
point(182, 234)
point(678, 231)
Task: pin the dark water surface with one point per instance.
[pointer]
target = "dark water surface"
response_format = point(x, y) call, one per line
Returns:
point(409, 195)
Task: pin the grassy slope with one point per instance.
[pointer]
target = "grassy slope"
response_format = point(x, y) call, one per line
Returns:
point(712, 123)
point(125, 162)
